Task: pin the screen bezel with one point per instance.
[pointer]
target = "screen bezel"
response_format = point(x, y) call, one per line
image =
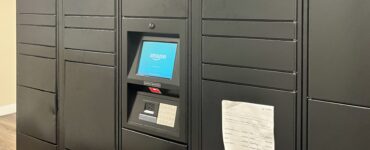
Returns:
point(175, 81)
point(140, 55)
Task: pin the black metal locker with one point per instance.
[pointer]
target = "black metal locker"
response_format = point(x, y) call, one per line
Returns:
point(37, 19)
point(36, 75)
point(25, 142)
point(90, 7)
point(155, 9)
point(87, 39)
point(338, 51)
point(250, 9)
point(255, 53)
point(337, 126)
point(93, 22)
point(74, 59)
point(36, 50)
point(47, 7)
point(215, 92)
point(133, 140)
point(89, 114)
point(338, 75)
point(39, 35)
point(36, 72)
point(37, 114)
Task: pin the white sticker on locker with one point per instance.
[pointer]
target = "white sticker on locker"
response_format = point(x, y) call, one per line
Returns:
point(247, 126)
point(167, 115)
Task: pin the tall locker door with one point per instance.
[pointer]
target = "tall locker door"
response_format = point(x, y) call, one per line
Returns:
point(339, 34)
point(36, 75)
point(339, 75)
point(89, 107)
point(89, 74)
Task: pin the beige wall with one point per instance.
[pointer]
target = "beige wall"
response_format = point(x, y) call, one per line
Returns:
point(7, 52)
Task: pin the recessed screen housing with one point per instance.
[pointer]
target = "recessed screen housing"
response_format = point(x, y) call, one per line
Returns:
point(156, 62)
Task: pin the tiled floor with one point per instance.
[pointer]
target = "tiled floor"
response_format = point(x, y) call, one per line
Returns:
point(7, 132)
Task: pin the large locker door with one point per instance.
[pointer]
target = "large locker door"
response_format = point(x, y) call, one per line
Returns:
point(215, 92)
point(339, 74)
point(339, 34)
point(89, 110)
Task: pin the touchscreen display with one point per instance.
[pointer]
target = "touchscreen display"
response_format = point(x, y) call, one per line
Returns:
point(157, 59)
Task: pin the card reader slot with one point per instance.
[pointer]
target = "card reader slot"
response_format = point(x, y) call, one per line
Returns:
point(166, 88)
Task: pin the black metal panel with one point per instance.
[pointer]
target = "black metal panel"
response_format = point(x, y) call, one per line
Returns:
point(36, 6)
point(272, 79)
point(250, 9)
point(90, 22)
point(338, 51)
point(36, 50)
point(155, 8)
point(36, 115)
point(89, 107)
point(214, 92)
point(337, 127)
point(89, 7)
point(255, 53)
point(165, 26)
point(136, 141)
point(90, 57)
point(133, 32)
point(25, 142)
point(253, 29)
point(196, 75)
point(37, 35)
point(37, 72)
point(86, 39)
point(34, 19)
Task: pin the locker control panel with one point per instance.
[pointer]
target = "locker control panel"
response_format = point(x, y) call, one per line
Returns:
point(154, 88)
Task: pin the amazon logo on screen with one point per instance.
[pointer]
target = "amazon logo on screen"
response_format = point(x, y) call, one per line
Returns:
point(158, 57)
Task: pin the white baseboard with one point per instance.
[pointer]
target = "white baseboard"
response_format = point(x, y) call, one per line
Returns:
point(7, 109)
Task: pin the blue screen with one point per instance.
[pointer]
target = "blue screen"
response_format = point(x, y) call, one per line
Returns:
point(157, 59)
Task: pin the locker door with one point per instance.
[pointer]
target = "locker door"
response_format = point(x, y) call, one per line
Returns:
point(89, 116)
point(338, 50)
point(339, 34)
point(215, 92)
